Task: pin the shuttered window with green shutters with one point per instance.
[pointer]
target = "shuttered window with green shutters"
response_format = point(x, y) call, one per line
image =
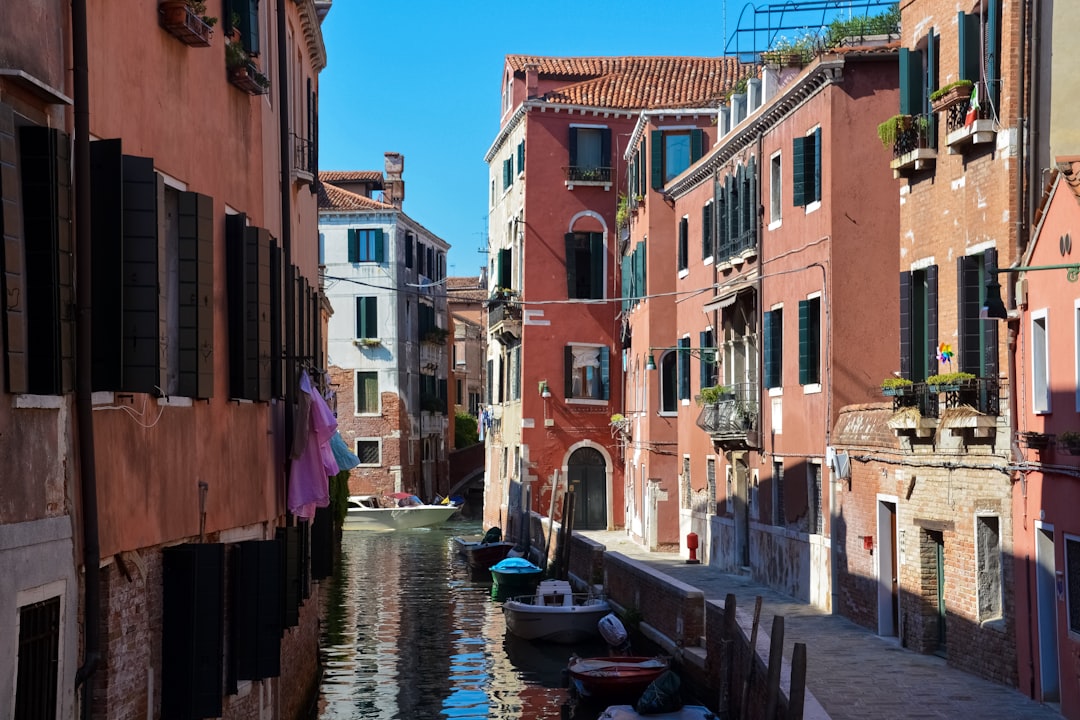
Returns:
point(977, 350)
point(684, 368)
point(672, 152)
point(586, 372)
point(774, 347)
point(585, 265)
point(810, 341)
point(806, 169)
point(367, 317)
point(707, 231)
point(918, 323)
point(367, 245)
point(708, 360)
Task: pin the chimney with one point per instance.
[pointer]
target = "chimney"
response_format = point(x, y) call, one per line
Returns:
point(394, 186)
point(532, 80)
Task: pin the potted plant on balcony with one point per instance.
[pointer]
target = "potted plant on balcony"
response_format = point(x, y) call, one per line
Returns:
point(369, 342)
point(949, 95)
point(713, 395)
point(896, 386)
point(1033, 440)
point(949, 382)
point(1069, 442)
point(187, 20)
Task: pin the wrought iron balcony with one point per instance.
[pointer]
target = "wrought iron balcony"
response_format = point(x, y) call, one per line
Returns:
point(732, 421)
point(303, 159)
point(982, 395)
point(911, 149)
point(962, 132)
point(585, 174)
point(504, 321)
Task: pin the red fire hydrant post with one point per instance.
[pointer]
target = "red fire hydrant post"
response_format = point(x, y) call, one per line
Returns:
point(692, 545)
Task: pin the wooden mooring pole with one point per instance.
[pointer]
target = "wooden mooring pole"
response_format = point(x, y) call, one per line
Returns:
point(798, 682)
point(751, 663)
point(776, 662)
point(727, 657)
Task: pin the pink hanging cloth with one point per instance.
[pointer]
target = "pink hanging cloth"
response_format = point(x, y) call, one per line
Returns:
point(309, 484)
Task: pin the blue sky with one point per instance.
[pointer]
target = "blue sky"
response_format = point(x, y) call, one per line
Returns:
point(423, 78)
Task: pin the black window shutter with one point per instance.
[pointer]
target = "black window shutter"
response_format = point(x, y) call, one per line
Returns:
point(13, 280)
point(506, 269)
point(409, 241)
point(990, 327)
point(443, 397)
point(322, 544)
point(269, 611)
point(969, 291)
point(572, 147)
point(682, 249)
point(804, 342)
point(196, 331)
point(605, 147)
point(706, 231)
point(277, 314)
point(263, 241)
point(798, 171)
point(236, 272)
point(905, 325)
point(249, 25)
point(657, 159)
point(596, 265)
point(568, 366)
point(192, 631)
point(140, 349)
point(289, 543)
point(244, 611)
point(371, 317)
point(107, 203)
point(643, 185)
point(932, 318)
point(571, 264)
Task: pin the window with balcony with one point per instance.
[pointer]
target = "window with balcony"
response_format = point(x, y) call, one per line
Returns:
point(590, 154)
point(978, 338)
point(918, 322)
point(366, 245)
point(585, 265)
point(587, 372)
point(710, 367)
point(736, 215)
point(672, 152)
point(367, 392)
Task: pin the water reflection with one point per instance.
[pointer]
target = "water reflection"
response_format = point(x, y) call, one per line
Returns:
point(408, 635)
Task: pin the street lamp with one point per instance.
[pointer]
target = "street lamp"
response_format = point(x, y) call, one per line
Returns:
point(994, 308)
point(706, 354)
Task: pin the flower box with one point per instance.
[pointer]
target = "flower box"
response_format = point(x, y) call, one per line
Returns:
point(951, 95)
point(183, 23)
point(1033, 440)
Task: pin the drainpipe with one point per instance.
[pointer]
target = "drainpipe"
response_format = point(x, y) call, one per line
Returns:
point(83, 345)
point(286, 233)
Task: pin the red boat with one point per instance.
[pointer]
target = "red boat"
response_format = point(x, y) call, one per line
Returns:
point(615, 678)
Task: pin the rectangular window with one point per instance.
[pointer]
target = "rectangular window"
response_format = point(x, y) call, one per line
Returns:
point(988, 566)
point(687, 491)
point(684, 241)
point(810, 341)
point(707, 231)
point(1072, 580)
point(806, 169)
point(584, 265)
point(515, 373)
point(709, 365)
point(817, 523)
point(521, 157)
point(369, 451)
point(710, 482)
point(1040, 363)
point(774, 347)
point(508, 173)
point(367, 393)
point(672, 152)
point(918, 323)
point(778, 493)
point(366, 245)
point(410, 241)
point(39, 649)
point(367, 317)
point(775, 190)
point(587, 370)
point(248, 252)
point(684, 368)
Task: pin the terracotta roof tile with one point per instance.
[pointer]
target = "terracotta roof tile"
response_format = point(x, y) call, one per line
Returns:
point(331, 197)
point(465, 288)
point(634, 82)
point(357, 176)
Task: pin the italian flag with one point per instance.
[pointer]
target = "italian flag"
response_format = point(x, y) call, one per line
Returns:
point(973, 108)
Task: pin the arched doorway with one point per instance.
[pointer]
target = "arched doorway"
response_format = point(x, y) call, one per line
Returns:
point(586, 471)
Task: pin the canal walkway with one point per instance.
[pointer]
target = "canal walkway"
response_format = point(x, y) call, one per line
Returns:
point(853, 673)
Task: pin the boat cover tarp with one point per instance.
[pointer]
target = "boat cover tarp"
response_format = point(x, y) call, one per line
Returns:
point(515, 565)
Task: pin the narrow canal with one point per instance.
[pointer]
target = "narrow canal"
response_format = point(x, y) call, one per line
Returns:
point(409, 635)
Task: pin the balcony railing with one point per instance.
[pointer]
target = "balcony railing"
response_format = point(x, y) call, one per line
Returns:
point(911, 149)
point(732, 421)
point(504, 321)
point(304, 158)
point(248, 78)
point(982, 395)
point(583, 174)
point(960, 133)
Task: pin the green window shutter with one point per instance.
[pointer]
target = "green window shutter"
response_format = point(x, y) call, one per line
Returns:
point(13, 279)
point(249, 25)
point(571, 266)
point(816, 178)
point(596, 265)
point(931, 315)
point(969, 38)
point(605, 373)
point(354, 245)
point(521, 156)
point(371, 317)
point(605, 147)
point(990, 329)
point(706, 231)
point(804, 343)
point(798, 171)
point(572, 147)
point(568, 371)
point(657, 144)
point(643, 185)
point(993, 50)
point(930, 84)
point(703, 364)
point(625, 277)
point(684, 368)
point(697, 139)
point(911, 80)
point(380, 246)
point(905, 326)
point(772, 349)
point(809, 341)
point(969, 284)
point(642, 282)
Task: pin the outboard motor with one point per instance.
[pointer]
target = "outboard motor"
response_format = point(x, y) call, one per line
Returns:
point(614, 634)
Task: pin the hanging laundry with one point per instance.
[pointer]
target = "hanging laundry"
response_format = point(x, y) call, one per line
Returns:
point(309, 484)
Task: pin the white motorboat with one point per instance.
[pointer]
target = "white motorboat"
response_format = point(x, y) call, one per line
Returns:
point(366, 512)
point(555, 613)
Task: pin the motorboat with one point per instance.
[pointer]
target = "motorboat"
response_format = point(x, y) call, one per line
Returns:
point(614, 678)
point(514, 576)
point(686, 712)
point(555, 613)
point(370, 512)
